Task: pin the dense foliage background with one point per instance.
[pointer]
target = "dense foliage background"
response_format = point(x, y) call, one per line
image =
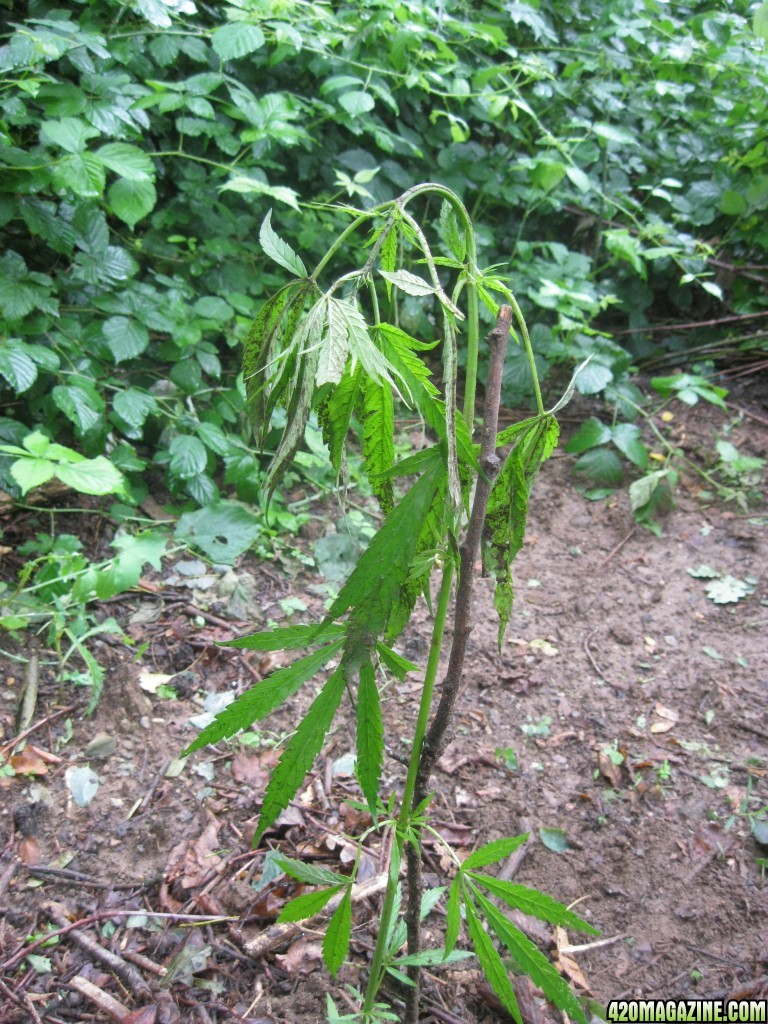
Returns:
point(612, 154)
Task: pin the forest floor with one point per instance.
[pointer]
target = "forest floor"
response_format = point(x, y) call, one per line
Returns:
point(625, 717)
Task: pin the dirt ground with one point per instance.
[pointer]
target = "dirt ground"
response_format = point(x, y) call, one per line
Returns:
point(626, 712)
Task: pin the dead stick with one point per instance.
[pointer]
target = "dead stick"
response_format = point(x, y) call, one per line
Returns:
point(129, 974)
point(105, 1002)
point(516, 858)
point(27, 732)
point(617, 549)
point(279, 934)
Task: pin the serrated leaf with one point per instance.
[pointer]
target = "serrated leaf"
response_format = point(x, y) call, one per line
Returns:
point(285, 638)
point(69, 133)
point(127, 338)
point(357, 102)
point(18, 369)
point(188, 456)
point(307, 905)
point(346, 318)
point(333, 352)
point(278, 250)
point(628, 439)
point(269, 694)
point(408, 283)
point(590, 434)
point(82, 407)
point(81, 173)
point(300, 753)
point(490, 961)
point(222, 530)
point(131, 200)
point(335, 414)
point(134, 406)
point(452, 235)
point(128, 161)
point(31, 473)
point(532, 902)
point(600, 466)
point(377, 420)
point(278, 315)
point(396, 663)
point(310, 874)
point(493, 852)
point(592, 378)
point(91, 476)
point(453, 916)
point(247, 184)
point(533, 962)
point(433, 957)
point(337, 935)
point(728, 590)
point(236, 40)
point(370, 737)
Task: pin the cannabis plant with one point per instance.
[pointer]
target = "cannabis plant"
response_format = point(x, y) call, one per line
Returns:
point(338, 349)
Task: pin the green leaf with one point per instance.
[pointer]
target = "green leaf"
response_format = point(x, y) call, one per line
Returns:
point(247, 184)
point(453, 916)
point(310, 874)
point(285, 638)
point(16, 366)
point(433, 957)
point(131, 200)
point(140, 548)
point(335, 414)
point(409, 283)
point(610, 133)
point(532, 902)
point(222, 531)
point(308, 905)
point(134, 406)
point(81, 173)
point(69, 133)
point(80, 404)
point(628, 439)
point(370, 737)
point(126, 337)
point(579, 178)
point(728, 590)
point(600, 466)
point(452, 234)
point(377, 419)
point(337, 935)
point(31, 473)
point(92, 476)
point(533, 962)
point(396, 663)
point(624, 245)
point(278, 250)
point(490, 961)
point(237, 40)
point(300, 753)
point(590, 434)
point(126, 160)
point(554, 839)
point(345, 318)
point(188, 456)
point(760, 21)
point(592, 378)
point(357, 102)
point(376, 579)
point(493, 852)
point(269, 694)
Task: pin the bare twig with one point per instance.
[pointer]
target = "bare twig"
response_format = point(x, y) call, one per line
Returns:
point(512, 864)
point(617, 549)
point(105, 1002)
point(593, 663)
point(33, 728)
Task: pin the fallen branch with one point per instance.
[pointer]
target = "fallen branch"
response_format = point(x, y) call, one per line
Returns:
point(105, 1002)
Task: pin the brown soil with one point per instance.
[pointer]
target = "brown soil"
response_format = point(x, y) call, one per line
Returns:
point(626, 709)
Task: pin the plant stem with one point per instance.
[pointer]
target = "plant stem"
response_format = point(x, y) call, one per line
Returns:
point(437, 736)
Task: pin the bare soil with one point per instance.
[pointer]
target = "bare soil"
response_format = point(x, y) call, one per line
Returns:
point(626, 709)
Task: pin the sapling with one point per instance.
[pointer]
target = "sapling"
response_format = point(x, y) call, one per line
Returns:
point(338, 349)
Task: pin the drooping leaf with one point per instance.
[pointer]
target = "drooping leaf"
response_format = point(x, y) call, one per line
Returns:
point(396, 663)
point(297, 415)
point(409, 283)
point(278, 250)
point(335, 413)
point(304, 871)
point(337, 935)
point(300, 752)
point(452, 235)
point(278, 315)
point(333, 352)
point(370, 736)
point(378, 424)
point(453, 916)
point(490, 961)
point(267, 695)
point(347, 319)
point(285, 638)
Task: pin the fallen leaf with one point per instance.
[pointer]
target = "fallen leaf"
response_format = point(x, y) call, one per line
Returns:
point(29, 850)
point(565, 962)
point(304, 957)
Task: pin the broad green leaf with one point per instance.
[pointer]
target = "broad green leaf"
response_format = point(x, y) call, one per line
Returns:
point(128, 161)
point(81, 173)
point(554, 839)
point(80, 404)
point(127, 338)
point(145, 546)
point(592, 378)
point(628, 439)
point(377, 419)
point(308, 905)
point(69, 133)
point(357, 102)
point(248, 184)
point(31, 473)
point(337, 935)
point(131, 200)
point(237, 39)
point(579, 178)
point(188, 456)
point(590, 434)
point(222, 530)
point(278, 250)
point(18, 369)
point(134, 406)
point(547, 174)
point(493, 852)
point(310, 874)
point(600, 466)
point(619, 242)
point(611, 133)
point(490, 961)
point(533, 962)
point(91, 476)
point(269, 694)
point(532, 902)
point(285, 638)
point(370, 737)
point(300, 753)
point(760, 21)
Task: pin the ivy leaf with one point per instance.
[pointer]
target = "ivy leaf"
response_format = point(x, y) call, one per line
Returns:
point(337, 935)
point(278, 250)
point(300, 753)
point(270, 693)
point(370, 737)
point(237, 40)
